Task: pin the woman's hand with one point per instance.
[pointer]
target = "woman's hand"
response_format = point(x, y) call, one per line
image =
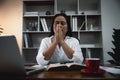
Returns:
point(61, 34)
point(56, 36)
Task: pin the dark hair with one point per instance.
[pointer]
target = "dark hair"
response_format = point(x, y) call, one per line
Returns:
point(67, 18)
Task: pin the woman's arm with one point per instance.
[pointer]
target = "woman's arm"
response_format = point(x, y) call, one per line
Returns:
point(49, 51)
point(45, 51)
point(69, 52)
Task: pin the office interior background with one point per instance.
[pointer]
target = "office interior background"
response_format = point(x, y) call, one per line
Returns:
point(11, 20)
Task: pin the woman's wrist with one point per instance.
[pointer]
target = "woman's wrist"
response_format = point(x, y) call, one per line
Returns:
point(62, 42)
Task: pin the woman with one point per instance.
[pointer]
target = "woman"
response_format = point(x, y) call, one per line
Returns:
point(60, 47)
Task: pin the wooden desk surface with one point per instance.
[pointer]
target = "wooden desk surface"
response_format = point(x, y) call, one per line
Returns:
point(70, 75)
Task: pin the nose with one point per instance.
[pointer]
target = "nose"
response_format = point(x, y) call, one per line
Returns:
point(59, 24)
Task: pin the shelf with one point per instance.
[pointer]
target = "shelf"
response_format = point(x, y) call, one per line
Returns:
point(38, 2)
point(30, 48)
point(31, 14)
point(82, 46)
point(35, 32)
point(43, 32)
point(90, 46)
point(88, 31)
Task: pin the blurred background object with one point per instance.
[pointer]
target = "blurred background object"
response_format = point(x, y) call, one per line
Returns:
point(11, 19)
point(1, 30)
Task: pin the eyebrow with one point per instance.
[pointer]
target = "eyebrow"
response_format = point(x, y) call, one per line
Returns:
point(61, 22)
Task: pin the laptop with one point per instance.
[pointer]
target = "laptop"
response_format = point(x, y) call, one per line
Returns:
point(11, 61)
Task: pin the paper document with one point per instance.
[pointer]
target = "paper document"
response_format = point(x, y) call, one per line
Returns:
point(112, 70)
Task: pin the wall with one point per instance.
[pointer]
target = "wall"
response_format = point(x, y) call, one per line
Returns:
point(110, 10)
point(11, 19)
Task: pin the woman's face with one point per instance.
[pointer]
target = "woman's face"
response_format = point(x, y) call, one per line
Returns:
point(61, 22)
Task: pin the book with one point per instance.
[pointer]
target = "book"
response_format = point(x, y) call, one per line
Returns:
point(112, 70)
point(30, 42)
point(25, 40)
point(74, 23)
point(73, 27)
point(65, 67)
point(45, 24)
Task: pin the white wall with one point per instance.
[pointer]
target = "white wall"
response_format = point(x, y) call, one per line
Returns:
point(110, 10)
point(11, 19)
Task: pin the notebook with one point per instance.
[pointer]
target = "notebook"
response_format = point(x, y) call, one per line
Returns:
point(11, 61)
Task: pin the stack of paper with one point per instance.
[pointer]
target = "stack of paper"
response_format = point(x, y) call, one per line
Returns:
point(111, 70)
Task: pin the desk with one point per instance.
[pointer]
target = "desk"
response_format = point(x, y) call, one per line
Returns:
point(69, 75)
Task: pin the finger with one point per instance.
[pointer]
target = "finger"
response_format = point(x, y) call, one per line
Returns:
point(57, 27)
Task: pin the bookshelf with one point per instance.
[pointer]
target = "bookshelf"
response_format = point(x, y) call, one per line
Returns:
point(37, 20)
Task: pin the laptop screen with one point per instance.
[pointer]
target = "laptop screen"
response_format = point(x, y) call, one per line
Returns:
point(11, 62)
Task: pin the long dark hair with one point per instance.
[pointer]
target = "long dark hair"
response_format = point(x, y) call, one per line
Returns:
point(67, 18)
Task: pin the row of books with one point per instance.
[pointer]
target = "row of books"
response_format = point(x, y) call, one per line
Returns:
point(44, 24)
point(27, 41)
point(74, 24)
point(33, 25)
point(30, 41)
